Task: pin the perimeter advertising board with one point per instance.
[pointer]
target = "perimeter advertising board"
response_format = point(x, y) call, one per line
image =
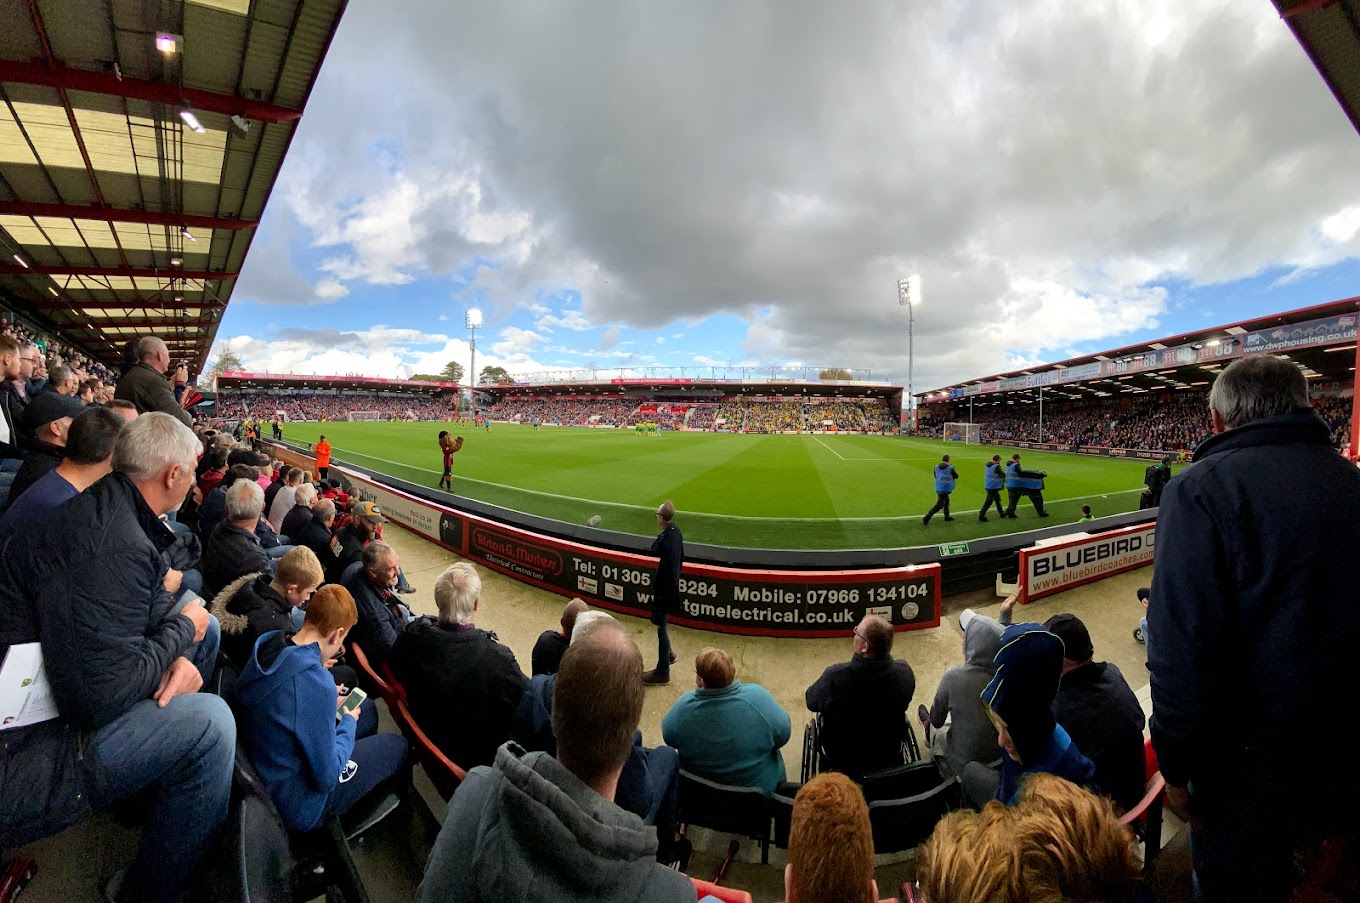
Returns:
point(1058, 566)
point(749, 601)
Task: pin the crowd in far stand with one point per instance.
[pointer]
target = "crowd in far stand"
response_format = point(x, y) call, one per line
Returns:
point(266, 405)
point(1169, 421)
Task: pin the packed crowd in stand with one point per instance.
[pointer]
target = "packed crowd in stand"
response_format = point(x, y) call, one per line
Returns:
point(196, 602)
point(1169, 421)
point(736, 414)
point(297, 406)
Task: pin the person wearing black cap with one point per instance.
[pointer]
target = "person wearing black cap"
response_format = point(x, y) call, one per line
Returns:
point(47, 418)
point(1020, 700)
point(1101, 713)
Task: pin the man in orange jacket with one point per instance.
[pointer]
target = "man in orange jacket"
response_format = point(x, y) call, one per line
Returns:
point(323, 457)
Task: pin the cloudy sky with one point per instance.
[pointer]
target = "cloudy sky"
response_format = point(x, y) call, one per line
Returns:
point(709, 185)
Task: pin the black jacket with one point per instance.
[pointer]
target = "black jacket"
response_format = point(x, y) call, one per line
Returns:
point(41, 458)
point(547, 655)
point(1255, 610)
point(1101, 713)
point(270, 491)
point(297, 518)
point(351, 550)
point(382, 617)
point(669, 548)
point(12, 410)
point(231, 553)
point(150, 391)
point(94, 570)
point(463, 687)
point(317, 538)
point(248, 608)
point(863, 703)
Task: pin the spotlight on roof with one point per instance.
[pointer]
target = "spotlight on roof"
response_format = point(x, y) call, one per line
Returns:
point(53, 291)
point(185, 234)
point(242, 124)
point(19, 260)
point(186, 113)
point(167, 43)
point(1213, 343)
point(176, 261)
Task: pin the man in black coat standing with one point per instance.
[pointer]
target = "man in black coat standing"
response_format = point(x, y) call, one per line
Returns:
point(669, 548)
point(1256, 607)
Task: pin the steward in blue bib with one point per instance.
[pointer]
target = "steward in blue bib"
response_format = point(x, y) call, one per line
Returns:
point(945, 477)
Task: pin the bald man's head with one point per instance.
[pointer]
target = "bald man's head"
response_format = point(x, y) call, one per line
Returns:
point(597, 704)
point(574, 608)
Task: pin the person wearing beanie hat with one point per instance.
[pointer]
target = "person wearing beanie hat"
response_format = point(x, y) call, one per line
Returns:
point(1097, 708)
point(1019, 699)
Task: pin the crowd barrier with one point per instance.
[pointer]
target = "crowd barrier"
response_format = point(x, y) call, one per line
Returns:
point(763, 592)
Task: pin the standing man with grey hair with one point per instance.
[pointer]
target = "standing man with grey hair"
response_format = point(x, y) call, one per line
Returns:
point(669, 548)
point(125, 665)
point(1256, 608)
point(462, 682)
point(146, 385)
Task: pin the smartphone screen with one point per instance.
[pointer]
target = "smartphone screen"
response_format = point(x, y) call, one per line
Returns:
point(352, 701)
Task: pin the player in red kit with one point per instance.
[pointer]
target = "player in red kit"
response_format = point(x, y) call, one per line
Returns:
point(449, 446)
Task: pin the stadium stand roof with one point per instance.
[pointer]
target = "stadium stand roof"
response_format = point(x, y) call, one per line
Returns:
point(244, 381)
point(120, 215)
point(1329, 31)
point(1313, 337)
point(698, 389)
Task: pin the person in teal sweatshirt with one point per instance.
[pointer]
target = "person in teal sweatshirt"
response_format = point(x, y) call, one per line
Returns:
point(309, 760)
point(727, 731)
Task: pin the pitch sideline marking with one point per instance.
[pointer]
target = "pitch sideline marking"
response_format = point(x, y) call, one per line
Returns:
point(752, 517)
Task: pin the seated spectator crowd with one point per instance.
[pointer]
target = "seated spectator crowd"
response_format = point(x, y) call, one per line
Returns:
point(323, 406)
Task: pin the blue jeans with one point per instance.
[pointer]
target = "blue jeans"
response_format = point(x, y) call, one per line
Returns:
point(379, 758)
point(274, 553)
point(192, 581)
point(185, 751)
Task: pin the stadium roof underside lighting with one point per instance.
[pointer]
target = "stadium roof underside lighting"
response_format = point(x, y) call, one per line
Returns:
point(1321, 340)
point(139, 143)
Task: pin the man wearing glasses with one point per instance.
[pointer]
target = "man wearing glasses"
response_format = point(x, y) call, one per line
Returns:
point(863, 703)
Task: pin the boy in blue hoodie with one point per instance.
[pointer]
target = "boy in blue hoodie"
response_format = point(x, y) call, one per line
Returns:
point(313, 766)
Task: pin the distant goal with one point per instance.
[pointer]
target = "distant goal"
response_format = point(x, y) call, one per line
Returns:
point(967, 433)
point(365, 415)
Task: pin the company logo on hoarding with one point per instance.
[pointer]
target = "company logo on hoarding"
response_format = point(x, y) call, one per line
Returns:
point(587, 584)
point(517, 552)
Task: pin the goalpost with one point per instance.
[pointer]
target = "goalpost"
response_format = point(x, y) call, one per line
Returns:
point(968, 433)
point(365, 415)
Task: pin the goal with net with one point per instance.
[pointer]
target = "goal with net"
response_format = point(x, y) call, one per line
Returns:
point(969, 433)
point(365, 415)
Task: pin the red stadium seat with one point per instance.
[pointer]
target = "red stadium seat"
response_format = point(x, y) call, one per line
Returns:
point(726, 894)
point(443, 773)
point(1146, 817)
point(389, 692)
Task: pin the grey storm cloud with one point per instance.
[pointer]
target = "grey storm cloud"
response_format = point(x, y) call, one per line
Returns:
point(787, 161)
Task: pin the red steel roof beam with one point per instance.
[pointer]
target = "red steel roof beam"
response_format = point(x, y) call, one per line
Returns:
point(65, 78)
point(118, 215)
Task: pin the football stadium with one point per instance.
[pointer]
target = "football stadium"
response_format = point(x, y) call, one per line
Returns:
point(642, 594)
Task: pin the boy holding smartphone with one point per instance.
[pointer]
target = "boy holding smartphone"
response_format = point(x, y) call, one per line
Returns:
point(308, 758)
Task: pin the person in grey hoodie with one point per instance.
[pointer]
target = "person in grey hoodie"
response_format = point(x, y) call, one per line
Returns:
point(956, 725)
point(533, 828)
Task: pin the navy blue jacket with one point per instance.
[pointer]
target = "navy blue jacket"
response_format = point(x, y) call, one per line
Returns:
point(669, 548)
point(1256, 610)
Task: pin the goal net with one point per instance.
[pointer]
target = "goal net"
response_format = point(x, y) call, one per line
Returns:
point(969, 433)
point(365, 415)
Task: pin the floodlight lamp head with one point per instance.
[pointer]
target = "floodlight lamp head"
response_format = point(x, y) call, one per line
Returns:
point(474, 318)
point(909, 291)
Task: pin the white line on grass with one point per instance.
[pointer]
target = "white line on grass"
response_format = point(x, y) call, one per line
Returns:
point(828, 448)
point(652, 510)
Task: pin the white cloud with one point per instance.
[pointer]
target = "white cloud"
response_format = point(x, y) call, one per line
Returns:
point(443, 318)
point(661, 340)
point(567, 319)
point(515, 342)
point(330, 290)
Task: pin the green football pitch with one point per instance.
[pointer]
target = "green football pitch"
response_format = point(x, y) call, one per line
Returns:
point(777, 492)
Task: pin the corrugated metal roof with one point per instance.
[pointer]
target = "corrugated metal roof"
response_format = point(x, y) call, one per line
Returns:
point(101, 178)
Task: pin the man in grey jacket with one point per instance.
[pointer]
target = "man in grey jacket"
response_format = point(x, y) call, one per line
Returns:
point(534, 828)
point(956, 726)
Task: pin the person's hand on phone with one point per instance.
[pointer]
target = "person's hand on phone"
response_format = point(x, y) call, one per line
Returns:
point(354, 712)
point(195, 612)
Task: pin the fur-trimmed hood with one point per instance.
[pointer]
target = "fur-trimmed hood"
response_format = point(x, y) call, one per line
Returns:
point(232, 623)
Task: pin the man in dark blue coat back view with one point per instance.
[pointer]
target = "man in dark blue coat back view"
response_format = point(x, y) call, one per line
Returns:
point(669, 548)
point(1256, 609)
